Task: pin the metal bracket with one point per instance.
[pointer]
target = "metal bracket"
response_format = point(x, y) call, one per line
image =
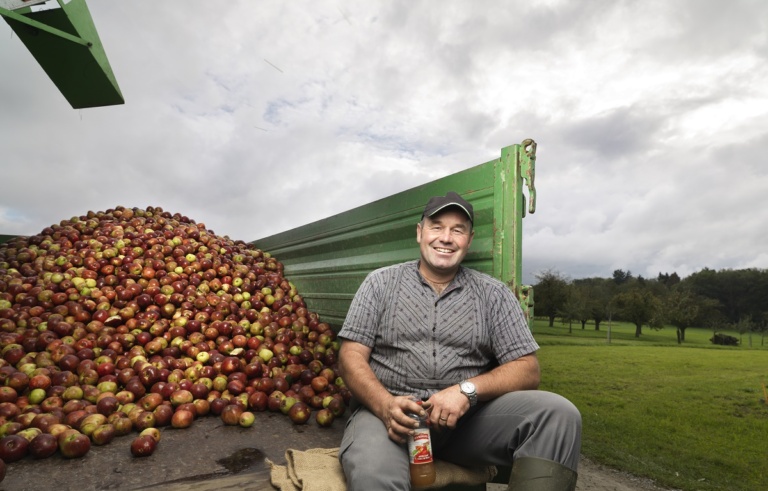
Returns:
point(528, 172)
point(44, 27)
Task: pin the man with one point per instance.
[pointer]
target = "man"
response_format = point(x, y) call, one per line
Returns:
point(457, 339)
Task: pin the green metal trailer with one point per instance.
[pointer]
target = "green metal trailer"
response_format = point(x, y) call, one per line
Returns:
point(327, 260)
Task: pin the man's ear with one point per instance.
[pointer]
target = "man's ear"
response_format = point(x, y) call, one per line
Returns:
point(418, 232)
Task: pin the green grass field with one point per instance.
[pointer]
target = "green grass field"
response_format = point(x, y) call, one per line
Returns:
point(691, 416)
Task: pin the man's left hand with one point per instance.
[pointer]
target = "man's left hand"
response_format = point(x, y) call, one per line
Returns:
point(448, 406)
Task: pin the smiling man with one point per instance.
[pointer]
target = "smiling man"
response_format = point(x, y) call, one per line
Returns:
point(457, 339)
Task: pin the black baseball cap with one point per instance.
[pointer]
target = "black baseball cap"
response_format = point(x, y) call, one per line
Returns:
point(438, 203)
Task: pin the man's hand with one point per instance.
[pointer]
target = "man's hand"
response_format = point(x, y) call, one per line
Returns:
point(448, 406)
point(365, 387)
point(396, 419)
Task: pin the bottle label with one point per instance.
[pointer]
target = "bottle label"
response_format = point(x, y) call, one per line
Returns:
point(420, 447)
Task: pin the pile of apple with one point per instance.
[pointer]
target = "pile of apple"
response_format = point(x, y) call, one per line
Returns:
point(130, 320)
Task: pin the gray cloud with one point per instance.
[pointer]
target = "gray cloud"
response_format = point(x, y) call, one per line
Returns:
point(256, 118)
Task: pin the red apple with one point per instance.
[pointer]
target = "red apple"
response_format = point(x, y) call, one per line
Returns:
point(145, 419)
point(10, 428)
point(74, 444)
point(43, 445)
point(9, 410)
point(103, 434)
point(58, 429)
point(258, 401)
point(122, 423)
point(324, 418)
point(89, 423)
point(230, 415)
point(202, 407)
point(153, 432)
point(163, 414)
point(182, 418)
point(44, 421)
point(40, 381)
point(18, 381)
point(319, 384)
point(13, 448)
point(217, 405)
point(181, 397)
point(230, 364)
point(299, 413)
point(199, 390)
point(274, 400)
point(124, 397)
point(107, 405)
point(143, 446)
point(150, 401)
point(337, 406)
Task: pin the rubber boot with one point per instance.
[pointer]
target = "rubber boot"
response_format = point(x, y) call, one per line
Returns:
point(534, 474)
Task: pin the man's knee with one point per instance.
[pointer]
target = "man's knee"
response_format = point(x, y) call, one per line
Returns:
point(559, 430)
point(565, 412)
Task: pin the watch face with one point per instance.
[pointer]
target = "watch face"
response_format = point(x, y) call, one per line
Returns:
point(468, 387)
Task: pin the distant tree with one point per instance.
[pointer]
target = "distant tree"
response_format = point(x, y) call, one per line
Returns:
point(551, 294)
point(762, 326)
point(576, 306)
point(669, 280)
point(584, 306)
point(739, 292)
point(684, 309)
point(745, 325)
point(620, 277)
point(656, 287)
point(598, 293)
point(568, 312)
point(640, 307)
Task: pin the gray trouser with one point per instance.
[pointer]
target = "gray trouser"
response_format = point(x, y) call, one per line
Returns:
point(519, 424)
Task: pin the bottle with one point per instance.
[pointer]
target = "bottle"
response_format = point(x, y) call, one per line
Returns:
point(422, 465)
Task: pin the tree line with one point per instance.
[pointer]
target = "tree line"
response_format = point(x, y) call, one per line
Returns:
point(720, 300)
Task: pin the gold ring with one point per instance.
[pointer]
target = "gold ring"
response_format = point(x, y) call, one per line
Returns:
point(443, 419)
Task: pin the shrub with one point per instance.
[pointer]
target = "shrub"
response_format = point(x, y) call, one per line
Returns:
point(724, 339)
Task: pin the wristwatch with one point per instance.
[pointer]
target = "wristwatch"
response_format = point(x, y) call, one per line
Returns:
point(468, 389)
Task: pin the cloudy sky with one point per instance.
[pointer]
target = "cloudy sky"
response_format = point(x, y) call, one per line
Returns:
point(254, 117)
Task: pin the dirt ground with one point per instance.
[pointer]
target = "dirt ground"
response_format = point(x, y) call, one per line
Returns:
point(210, 456)
point(594, 477)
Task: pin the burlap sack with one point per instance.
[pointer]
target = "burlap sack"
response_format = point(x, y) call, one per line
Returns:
point(318, 469)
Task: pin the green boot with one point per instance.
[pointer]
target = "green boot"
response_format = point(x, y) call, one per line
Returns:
point(534, 474)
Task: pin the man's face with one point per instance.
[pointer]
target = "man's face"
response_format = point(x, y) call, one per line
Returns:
point(444, 240)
